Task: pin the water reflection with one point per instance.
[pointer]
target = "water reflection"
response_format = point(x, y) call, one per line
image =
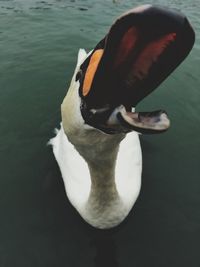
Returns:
point(105, 249)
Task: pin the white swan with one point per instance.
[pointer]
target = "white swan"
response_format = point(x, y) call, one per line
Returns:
point(97, 147)
point(106, 198)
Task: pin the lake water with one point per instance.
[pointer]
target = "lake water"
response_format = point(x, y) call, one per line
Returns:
point(39, 41)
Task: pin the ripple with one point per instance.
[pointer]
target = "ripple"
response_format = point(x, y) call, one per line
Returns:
point(83, 9)
point(39, 42)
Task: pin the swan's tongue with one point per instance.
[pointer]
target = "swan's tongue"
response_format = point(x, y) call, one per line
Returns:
point(141, 49)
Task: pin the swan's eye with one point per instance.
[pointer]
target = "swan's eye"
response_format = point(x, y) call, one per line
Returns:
point(79, 75)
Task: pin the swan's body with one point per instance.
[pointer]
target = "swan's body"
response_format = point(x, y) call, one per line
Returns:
point(101, 173)
point(106, 201)
point(97, 147)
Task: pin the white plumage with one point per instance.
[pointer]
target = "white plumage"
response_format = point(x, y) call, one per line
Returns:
point(101, 172)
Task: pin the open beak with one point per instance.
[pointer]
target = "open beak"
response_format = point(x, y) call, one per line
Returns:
point(140, 51)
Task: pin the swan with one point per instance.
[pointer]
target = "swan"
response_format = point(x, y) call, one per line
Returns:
point(97, 146)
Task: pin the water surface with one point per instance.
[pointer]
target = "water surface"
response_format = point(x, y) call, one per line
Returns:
point(39, 41)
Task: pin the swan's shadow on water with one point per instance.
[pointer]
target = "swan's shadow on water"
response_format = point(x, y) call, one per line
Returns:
point(105, 248)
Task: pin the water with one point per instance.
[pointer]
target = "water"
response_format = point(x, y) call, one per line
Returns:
point(39, 41)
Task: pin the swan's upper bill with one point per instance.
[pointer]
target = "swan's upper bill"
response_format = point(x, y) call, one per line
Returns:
point(97, 148)
point(141, 49)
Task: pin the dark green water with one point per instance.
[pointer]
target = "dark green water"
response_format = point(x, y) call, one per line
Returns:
point(39, 41)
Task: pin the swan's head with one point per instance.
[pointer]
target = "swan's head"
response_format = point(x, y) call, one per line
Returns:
point(140, 50)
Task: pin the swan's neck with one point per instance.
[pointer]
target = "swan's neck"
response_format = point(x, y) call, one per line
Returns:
point(103, 178)
point(100, 152)
point(102, 171)
point(104, 203)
